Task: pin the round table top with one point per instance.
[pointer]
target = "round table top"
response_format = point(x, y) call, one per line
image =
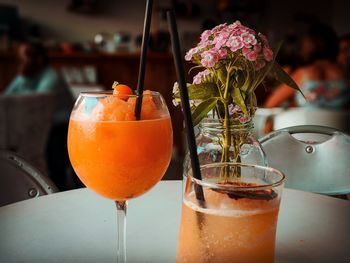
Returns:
point(80, 226)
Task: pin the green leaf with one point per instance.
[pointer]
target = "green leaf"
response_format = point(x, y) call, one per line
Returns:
point(277, 49)
point(280, 75)
point(220, 107)
point(238, 99)
point(202, 110)
point(202, 91)
point(262, 73)
point(253, 100)
point(222, 75)
point(241, 78)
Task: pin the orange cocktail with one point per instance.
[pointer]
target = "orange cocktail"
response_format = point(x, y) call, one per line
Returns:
point(236, 222)
point(114, 154)
point(117, 153)
point(123, 159)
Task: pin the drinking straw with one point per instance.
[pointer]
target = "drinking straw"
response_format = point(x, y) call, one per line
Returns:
point(143, 58)
point(196, 172)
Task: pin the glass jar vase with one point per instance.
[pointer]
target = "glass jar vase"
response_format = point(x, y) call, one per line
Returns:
point(234, 143)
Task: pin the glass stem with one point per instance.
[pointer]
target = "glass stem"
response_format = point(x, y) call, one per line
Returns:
point(121, 231)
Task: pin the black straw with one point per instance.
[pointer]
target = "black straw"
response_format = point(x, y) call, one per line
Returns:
point(143, 59)
point(196, 172)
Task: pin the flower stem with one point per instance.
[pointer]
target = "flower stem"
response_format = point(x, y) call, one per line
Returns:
point(228, 71)
point(227, 132)
point(227, 142)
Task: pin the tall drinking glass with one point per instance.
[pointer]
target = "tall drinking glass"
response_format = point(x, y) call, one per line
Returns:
point(115, 155)
point(237, 221)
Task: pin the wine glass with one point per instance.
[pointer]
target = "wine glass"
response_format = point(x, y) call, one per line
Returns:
point(116, 155)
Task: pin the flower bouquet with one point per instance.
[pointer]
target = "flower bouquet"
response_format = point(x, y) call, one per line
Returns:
point(235, 61)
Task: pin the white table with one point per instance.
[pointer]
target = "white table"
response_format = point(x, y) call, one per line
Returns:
point(79, 226)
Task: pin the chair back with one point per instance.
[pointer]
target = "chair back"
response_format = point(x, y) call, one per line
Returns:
point(313, 158)
point(20, 181)
point(261, 116)
point(338, 119)
point(25, 125)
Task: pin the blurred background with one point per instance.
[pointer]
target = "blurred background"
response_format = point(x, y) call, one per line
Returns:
point(88, 44)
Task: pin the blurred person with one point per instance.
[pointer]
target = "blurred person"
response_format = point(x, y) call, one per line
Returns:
point(320, 79)
point(344, 50)
point(344, 56)
point(35, 75)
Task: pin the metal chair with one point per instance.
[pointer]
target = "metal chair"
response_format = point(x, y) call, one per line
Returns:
point(313, 158)
point(261, 116)
point(338, 119)
point(20, 181)
point(280, 118)
point(25, 122)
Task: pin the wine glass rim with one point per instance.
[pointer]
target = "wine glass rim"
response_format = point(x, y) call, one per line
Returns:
point(214, 185)
point(110, 93)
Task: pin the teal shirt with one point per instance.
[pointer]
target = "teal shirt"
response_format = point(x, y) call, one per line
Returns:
point(331, 94)
point(48, 81)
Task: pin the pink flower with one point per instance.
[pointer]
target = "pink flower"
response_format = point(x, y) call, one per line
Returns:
point(233, 28)
point(197, 78)
point(257, 48)
point(220, 40)
point(234, 43)
point(220, 43)
point(200, 76)
point(238, 32)
point(248, 39)
point(264, 39)
point(233, 109)
point(222, 53)
point(190, 53)
point(237, 23)
point(268, 54)
point(202, 45)
point(225, 32)
point(249, 54)
point(224, 40)
point(244, 119)
point(245, 51)
point(260, 64)
point(188, 56)
point(209, 58)
point(250, 31)
point(205, 35)
point(218, 28)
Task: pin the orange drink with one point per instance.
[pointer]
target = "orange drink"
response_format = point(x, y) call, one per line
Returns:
point(236, 222)
point(104, 155)
point(114, 154)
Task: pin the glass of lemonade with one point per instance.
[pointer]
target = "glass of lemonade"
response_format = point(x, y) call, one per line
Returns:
point(237, 220)
point(116, 155)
